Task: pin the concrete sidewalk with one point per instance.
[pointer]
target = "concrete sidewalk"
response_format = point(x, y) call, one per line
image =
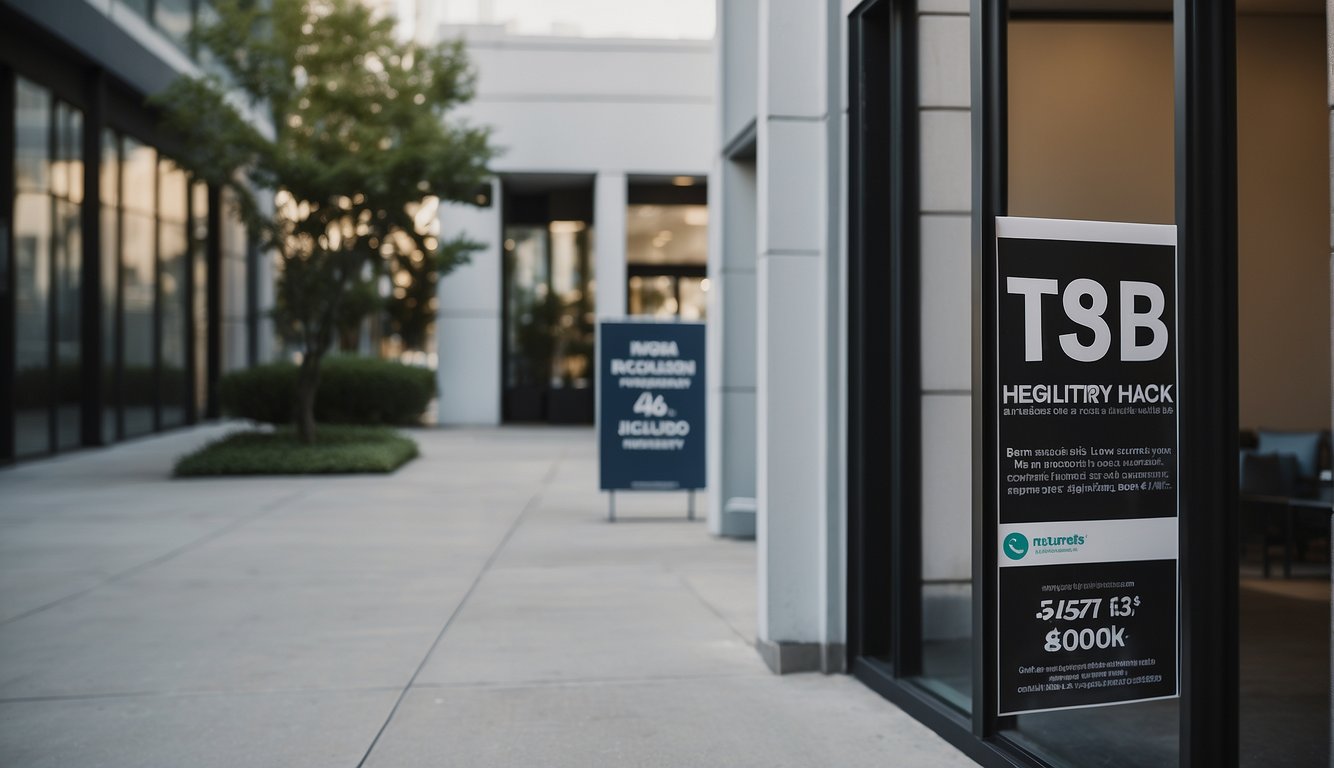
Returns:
point(472, 610)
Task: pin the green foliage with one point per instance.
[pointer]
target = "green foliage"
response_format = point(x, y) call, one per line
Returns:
point(265, 393)
point(358, 153)
point(341, 450)
point(353, 390)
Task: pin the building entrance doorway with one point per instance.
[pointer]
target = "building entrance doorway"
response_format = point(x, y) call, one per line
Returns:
point(548, 301)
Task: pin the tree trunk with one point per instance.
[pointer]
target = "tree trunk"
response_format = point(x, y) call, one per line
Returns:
point(307, 382)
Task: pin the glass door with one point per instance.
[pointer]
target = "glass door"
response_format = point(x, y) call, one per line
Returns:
point(549, 323)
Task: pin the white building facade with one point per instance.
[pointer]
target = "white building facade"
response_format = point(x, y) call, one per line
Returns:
point(598, 201)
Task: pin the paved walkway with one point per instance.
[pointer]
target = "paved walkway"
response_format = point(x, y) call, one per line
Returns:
point(472, 610)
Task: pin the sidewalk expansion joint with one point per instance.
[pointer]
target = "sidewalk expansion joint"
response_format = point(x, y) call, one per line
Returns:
point(160, 559)
point(533, 502)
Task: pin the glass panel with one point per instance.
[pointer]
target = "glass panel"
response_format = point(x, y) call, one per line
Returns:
point(667, 234)
point(1283, 297)
point(1090, 120)
point(172, 241)
point(654, 296)
point(67, 247)
point(529, 307)
point(694, 300)
point(199, 253)
point(1090, 110)
point(32, 274)
point(173, 192)
point(32, 137)
point(174, 18)
point(947, 558)
point(32, 269)
point(67, 167)
point(233, 241)
point(69, 268)
point(571, 286)
point(139, 172)
point(110, 188)
point(138, 385)
point(173, 250)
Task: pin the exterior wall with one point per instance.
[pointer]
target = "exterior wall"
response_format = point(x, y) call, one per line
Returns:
point(792, 431)
point(800, 242)
point(610, 108)
point(778, 278)
point(732, 251)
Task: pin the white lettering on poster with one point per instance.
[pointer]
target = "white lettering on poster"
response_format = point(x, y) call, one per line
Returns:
point(1073, 299)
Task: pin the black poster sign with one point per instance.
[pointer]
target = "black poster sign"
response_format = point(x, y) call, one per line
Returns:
point(651, 405)
point(1086, 405)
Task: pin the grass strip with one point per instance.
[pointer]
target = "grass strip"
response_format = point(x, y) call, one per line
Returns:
point(339, 449)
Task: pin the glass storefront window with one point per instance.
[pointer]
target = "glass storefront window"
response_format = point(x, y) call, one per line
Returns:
point(138, 287)
point(48, 271)
point(653, 296)
point(667, 252)
point(173, 252)
point(1100, 151)
point(572, 290)
point(67, 247)
point(234, 243)
point(32, 269)
point(110, 200)
point(667, 234)
point(529, 308)
point(199, 300)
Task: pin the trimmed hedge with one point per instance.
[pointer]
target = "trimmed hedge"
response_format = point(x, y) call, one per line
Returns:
point(353, 390)
point(338, 450)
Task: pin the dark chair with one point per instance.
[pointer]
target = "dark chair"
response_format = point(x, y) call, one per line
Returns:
point(1311, 449)
point(1267, 480)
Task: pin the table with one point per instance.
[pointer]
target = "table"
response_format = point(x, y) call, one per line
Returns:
point(1292, 506)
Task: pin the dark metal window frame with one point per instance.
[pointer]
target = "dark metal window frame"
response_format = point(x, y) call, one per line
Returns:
point(884, 515)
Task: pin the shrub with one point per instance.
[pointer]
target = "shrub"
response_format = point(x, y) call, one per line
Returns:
point(340, 450)
point(353, 390)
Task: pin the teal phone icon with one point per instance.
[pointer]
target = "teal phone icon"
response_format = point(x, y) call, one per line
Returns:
point(1016, 546)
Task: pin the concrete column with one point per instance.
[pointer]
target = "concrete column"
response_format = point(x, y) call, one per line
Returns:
point(468, 321)
point(731, 349)
point(609, 194)
point(793, 158)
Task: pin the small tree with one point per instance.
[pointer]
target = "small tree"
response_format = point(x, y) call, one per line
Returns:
point(357, 158)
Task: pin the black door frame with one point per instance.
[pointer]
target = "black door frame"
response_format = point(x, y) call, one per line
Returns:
point(884, 515)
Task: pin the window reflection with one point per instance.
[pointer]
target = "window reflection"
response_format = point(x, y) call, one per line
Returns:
point(67, 249)
point(173, 248)
point(32, 253)
point(199, 300)
point(667, 234)
point(110, 198)
point(137, 287)
point(667, 253)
